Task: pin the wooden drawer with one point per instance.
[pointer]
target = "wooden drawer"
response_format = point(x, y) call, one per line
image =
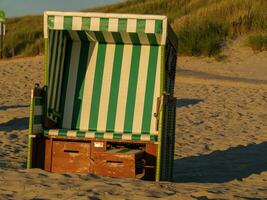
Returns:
point(116, 164)
point(70, 157)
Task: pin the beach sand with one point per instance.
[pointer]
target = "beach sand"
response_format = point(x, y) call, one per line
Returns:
point(221, 136)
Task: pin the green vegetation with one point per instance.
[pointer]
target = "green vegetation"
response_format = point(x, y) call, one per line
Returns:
point(258, 42)
point(24, 36)
point(202, 26)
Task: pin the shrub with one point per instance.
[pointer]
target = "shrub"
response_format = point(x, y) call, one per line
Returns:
point(206, 38)
point(258, 42)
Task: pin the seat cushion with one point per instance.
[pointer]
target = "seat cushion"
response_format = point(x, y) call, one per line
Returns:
point(100, 135)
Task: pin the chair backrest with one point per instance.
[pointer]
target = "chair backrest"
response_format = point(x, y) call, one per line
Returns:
point(103, 86)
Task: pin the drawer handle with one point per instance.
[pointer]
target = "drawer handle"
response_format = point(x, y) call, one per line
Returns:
point(71, 151)
point(114, 161)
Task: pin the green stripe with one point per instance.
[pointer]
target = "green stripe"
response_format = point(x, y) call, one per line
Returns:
point(65, 74)
point(62, 132)
point(153, 138)
point(77, 108)
point(136, 137)
point(38, 101)
point(99, 135)
point(97, 86)
point(51, 22)
point(57, 99)
point(103, 26)
point(46, 132)
point(51, 51)
point(80, 134)
point(51, 85)
point(114, 88)
point(134, 38)
point(152, 39)
point(150, 87)
point(132, 85)
point(100, 37)
point(86, 21)
point(117, 136)
point(141, 25)
point(117, 37)
point(83, 36)
point(67, 23)
point(38, 119)
point(46, 60)
point(122, 25)
point(158, 26)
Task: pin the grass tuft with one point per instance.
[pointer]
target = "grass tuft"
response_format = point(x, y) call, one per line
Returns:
point(258, 42)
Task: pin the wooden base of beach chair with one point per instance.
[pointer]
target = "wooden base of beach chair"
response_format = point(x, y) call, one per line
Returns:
point(101, 157)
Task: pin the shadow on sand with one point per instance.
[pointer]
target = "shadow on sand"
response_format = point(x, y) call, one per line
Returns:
point(15, 124)
point(222, 166)
point(12, 107)
point(187, 102)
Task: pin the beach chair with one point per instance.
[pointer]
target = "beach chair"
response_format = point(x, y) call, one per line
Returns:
point(107, 106)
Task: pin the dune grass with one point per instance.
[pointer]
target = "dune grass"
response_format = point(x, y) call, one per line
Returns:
point(202, 26)
point(258, 42)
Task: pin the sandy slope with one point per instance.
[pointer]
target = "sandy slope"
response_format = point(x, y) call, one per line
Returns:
point(221, 138)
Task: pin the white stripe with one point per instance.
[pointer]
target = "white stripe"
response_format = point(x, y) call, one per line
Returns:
point(74, 35)
point(72, 77)
point(59, 23)
point(95, 22)
point(131, 25)
point(123, 88)
point(126, 136)
point(53, 132)
point(156, 94)
point(90, 134)
point(113, 25)
point(143, 38)
point(158, 38)
point(76, 23)
point(141, 89)
point(91, 36)
point(88, 86)
point(150, 26)
point(72, 133)
point(105, 91)
point(57, 70)
point(145, 137)
point(108, 37)
point(38, 110)
point(108, 135)
point(125, 38)
point(61, 74)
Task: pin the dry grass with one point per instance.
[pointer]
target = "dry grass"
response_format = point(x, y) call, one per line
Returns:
point(191, 19)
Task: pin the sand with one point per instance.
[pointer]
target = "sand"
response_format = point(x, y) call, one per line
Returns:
point(221, 136)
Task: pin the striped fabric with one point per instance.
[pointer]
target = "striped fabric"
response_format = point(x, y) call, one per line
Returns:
point(102, 87)
point(127, 29)
point(37, 117)
point(100, 135)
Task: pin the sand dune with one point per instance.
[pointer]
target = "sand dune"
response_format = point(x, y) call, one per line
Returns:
point(221, 138)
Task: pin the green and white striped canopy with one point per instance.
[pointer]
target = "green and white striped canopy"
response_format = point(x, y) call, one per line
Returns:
point(104, 71)
point(111, 28)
